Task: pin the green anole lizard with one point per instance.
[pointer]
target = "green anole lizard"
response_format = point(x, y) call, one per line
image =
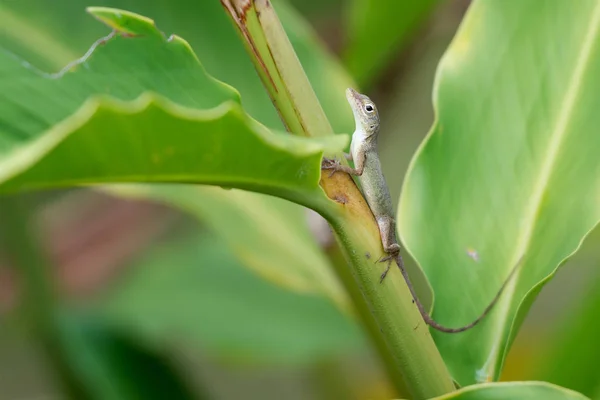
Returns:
point(363, 152)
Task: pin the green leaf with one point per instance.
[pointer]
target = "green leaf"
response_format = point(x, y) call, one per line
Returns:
point(142, 108)
point(28, 38)
point(194, 292)
point(47, 42)
point(509, 169)
point(269, 235)
point(376, 30)
point(209, 31)
point(513, 390)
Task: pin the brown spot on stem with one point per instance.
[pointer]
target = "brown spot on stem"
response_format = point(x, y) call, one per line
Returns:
point(341, 199)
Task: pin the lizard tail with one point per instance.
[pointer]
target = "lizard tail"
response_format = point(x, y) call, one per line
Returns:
point(431, 322)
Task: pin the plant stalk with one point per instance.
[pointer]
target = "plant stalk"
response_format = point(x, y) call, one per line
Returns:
point(400, 334)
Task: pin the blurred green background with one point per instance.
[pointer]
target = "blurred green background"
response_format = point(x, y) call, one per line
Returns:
point(160, 305)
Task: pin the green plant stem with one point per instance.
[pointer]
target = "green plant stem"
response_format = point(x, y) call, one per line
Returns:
point(39, 301)
point(400, 334)
point(367, 321)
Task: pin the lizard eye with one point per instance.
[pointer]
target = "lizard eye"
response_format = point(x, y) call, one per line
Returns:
point(369, 108)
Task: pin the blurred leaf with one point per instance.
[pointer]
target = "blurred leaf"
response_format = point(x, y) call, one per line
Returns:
point(515, 97)
point(513, 390)
point(315, 9)
point(376, 30)
point(21, 249)
point(194, 292)
point(25, 37)
point(47, 40)
point(115, 366)
point(268, 234)
point(573, 353)
point(88, 137)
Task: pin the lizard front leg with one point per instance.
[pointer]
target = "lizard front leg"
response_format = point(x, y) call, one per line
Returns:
point(335, 166)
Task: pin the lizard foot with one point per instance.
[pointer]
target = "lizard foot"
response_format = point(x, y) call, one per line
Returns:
point(333, 165)
point(384, 274)
point(390, 256)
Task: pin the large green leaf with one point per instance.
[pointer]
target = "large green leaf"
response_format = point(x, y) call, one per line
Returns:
point(268, 234)
point(194, 292)
point(509, 169)
point(140, 107)
point(209, 31)
point(513, 390)
point(376, 30)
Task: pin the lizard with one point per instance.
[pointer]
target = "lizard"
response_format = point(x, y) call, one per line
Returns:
point(367, 169)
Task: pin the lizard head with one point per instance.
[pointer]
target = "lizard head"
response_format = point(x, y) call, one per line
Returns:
point(365, 112)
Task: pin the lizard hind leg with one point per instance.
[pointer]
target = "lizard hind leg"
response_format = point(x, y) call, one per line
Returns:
point(391, 247)
point(387, 231)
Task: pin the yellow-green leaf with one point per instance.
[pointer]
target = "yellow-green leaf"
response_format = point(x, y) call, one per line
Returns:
point(513, 390)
